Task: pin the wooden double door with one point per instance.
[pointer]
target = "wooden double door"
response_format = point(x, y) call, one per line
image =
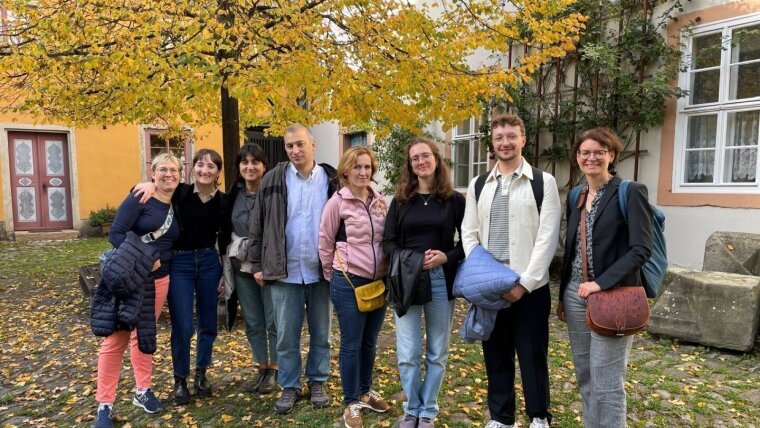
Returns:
point(40, 181)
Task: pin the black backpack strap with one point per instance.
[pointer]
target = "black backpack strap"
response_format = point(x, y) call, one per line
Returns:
point(537, 184)
point(479, 183)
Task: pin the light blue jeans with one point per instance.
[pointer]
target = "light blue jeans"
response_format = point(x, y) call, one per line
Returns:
point(600, 366)
point(256, 305)
point(422, 394)
point(290, 303)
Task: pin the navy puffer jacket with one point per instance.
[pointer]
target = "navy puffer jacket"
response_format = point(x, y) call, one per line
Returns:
point(125, 297)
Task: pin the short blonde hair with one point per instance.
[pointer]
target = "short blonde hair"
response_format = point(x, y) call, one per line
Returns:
point(165, 157)
point(348, 162)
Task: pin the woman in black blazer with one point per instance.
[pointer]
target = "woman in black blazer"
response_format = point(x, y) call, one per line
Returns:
point(616, 249)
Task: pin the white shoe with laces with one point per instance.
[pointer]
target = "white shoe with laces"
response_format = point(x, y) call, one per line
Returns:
point(496, 424)
point(539, 423)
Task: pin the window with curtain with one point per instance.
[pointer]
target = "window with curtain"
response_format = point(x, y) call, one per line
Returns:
point(718, 124)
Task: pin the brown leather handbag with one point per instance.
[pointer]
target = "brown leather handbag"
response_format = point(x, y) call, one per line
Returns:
point(619, 311)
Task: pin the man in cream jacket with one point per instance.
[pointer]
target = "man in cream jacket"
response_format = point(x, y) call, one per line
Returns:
point(505, 220)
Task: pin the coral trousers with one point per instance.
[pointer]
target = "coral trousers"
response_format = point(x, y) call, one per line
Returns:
point(112, 354)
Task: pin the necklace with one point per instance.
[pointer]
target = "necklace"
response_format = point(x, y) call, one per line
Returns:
point(424, 199)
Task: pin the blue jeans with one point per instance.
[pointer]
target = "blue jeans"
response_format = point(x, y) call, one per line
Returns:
point(194, 279)
point(256, 305)
point(422, 394)
point(600, 366)
point(358, 336)
point(291, 302)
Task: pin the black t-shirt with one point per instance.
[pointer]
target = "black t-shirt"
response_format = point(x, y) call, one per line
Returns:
point(423, 224)
point(199, 221)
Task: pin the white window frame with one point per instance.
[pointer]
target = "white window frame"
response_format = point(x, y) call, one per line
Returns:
point(473, 139)
point(723, 107)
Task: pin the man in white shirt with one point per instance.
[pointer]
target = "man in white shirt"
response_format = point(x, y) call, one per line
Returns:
point(522, 232)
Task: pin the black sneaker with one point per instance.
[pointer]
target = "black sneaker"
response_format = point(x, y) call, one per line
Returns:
point(147, 401)
point(319, 397)
point(287, 400)
point(269, 384)
point(253, 385)
point(103, 418)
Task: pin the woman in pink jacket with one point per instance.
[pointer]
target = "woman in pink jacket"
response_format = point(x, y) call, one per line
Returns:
point(350, 249)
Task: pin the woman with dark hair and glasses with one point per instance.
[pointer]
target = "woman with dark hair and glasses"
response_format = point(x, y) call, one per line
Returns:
point(255, 302)
point(615, 250)
point(424, 215)
point(196, 272)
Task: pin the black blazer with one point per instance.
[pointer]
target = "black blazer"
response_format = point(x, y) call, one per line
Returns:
point(619, 248)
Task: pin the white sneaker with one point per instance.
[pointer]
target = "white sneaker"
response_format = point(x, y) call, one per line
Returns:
point(496, 424)
point(539, 423)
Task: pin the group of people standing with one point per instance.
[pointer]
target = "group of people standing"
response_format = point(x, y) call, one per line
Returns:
point(302, 236)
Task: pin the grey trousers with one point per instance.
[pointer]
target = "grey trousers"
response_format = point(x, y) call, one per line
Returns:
point(600, 366)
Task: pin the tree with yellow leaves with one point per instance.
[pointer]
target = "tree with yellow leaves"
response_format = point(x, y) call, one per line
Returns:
point(360, 62)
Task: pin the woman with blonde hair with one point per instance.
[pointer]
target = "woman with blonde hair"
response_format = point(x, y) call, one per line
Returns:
point(196, 274)
point(350, 250)
point(423, 217)
point(153, 231)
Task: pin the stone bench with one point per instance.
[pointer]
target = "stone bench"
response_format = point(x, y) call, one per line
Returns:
point(89, 277)
point(712, 308)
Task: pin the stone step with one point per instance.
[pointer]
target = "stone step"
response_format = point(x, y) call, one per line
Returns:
point(58, 235)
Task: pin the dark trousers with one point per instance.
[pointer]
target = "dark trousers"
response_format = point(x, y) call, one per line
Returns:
point(194, 280)
point(521, 328)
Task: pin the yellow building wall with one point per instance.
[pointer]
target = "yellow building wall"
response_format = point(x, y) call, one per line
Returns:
point(110, 162)
point(108, 165)
point(107, 161)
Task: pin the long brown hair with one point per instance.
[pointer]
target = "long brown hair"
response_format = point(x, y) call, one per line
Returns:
point(408, 183)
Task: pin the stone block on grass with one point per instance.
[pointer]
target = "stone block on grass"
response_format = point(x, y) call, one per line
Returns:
point(733, 252)
point(712, 308)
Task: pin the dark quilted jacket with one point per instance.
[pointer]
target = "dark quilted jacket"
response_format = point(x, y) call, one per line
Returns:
point(125, 298)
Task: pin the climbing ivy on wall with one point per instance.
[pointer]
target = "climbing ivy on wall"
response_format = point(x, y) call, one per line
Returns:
point(620, 76)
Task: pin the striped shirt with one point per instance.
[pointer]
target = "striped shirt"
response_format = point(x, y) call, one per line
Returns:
point(498, 238)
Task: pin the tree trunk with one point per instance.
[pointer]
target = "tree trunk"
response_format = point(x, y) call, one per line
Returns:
point(230, 136)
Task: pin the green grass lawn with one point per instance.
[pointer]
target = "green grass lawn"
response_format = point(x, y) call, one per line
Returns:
point(48, 367)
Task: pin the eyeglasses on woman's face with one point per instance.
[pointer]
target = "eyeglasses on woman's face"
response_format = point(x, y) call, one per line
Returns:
point(421, 157)
point(166, 171)
point(587, 154)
